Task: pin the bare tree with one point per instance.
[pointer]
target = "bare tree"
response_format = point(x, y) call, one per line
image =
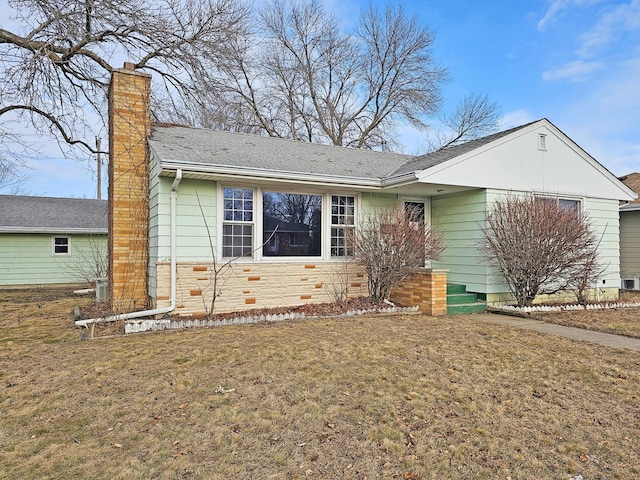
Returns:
point(475, 116)
point(308, 80)
point(56, 65)
point(587, 275)
point(539, 245)
point(392, 244)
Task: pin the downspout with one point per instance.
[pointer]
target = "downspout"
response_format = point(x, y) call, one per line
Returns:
point(172, 306)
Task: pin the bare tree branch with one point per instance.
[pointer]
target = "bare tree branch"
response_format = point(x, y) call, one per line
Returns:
point(59, 68)
point(540, 245)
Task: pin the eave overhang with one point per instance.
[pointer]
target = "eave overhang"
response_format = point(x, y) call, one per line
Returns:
point(244, 174)
point(56, 230)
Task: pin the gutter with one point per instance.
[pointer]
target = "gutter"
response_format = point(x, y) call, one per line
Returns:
point(55, 230)
point(172, 306)
point(252, 173)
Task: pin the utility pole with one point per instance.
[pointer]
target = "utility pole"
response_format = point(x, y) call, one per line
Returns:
point(99, 168)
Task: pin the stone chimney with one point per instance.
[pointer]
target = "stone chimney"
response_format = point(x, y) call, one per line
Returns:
point(129, 129)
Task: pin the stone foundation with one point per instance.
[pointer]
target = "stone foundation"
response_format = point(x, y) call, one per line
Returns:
point(246, 286)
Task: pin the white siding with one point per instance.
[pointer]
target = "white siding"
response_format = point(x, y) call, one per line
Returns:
point(514, 162)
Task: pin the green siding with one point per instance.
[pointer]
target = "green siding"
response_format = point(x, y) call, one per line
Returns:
point(458, 215)
point(27, 259)
point(154, 218)
point(630, 243)
point(192, 220)
point(461, 214)
point(372, 202)
point(603, 215)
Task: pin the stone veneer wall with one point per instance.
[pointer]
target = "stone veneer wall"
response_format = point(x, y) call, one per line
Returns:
point(129, 129)
point(427, 289)
point(269, 285)
point(245, 286)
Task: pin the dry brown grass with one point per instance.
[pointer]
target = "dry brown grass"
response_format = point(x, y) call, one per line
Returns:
point(621, 321)
point(374, 397)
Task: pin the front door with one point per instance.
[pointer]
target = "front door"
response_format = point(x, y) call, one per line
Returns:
point(417, 211)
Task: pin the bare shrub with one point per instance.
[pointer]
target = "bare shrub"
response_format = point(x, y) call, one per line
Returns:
point(91, 261)
point(540, 245)
point(392, 244)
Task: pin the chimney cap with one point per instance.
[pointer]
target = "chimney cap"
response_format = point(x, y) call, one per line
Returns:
point(129, 66)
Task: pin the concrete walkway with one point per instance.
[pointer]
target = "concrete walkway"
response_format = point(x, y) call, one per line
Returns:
point(608, 339)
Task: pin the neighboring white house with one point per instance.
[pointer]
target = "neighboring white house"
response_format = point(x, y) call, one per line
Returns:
point(46, 241)
point(630, 236)
point(217, 192)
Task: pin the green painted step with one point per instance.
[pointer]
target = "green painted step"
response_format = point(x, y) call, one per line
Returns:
point(458, 298)
point(460, 302)
point(456, 288)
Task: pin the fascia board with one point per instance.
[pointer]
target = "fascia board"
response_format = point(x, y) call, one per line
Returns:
point(61, 231)
point(625, 191)
point(628, 192)
point(632, 207)
point(401, 180)
point(248, 173)
point(424, 174)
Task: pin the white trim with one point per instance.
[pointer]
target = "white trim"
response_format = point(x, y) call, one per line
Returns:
point(240, 174)
point(53, 246)
point(53, 230)
point(325, 249)
point(423, 176)
point(426, 201)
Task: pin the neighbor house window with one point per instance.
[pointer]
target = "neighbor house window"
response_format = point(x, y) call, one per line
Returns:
point(343, 217)
point(291, 224)
point(238, 221)
point(61, 246)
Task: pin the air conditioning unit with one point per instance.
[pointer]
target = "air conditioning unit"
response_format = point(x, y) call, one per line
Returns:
point(630, 282)
point(101, 289)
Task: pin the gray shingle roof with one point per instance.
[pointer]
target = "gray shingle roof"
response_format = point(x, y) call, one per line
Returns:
point(176, 144)
point(210, 147)
point(52, 215)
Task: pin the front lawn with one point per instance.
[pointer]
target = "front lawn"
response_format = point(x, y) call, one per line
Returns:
point(375, 397)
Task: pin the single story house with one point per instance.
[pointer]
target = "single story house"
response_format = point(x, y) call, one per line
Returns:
point(51, 241)
point(184, 202)
point(630, 236)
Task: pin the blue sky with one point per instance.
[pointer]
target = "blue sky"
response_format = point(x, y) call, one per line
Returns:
point(575, 62)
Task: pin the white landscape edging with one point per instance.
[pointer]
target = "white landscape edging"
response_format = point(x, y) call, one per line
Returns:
point(564, 308)
point(145, 325)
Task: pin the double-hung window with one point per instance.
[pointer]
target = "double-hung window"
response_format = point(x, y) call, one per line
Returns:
point(238, 221)
point(343, 219)
point(61, 246)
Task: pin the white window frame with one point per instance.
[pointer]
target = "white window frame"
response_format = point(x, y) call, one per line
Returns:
point(257, 255)
point(559, 198)
point(331, 225)
point(426, 201)
point(53, 246)
point(222, 222)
